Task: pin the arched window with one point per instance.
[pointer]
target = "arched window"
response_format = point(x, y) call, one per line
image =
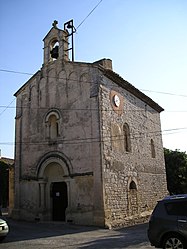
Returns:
point(127, 142)
point(116, 137)
point(132, 200)
point(53, 127)
point(52, 124)
point(132, 185)
point(152, 149)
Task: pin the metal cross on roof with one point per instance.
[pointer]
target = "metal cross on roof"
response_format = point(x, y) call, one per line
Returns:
point(55, 23)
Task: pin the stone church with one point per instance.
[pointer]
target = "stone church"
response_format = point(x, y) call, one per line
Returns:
point(88, 144)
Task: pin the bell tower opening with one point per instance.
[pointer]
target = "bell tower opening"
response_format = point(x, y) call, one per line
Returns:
point(54, 49)
point(56, 44)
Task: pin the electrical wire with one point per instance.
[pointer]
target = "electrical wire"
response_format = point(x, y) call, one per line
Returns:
point(88, 15)
point(133, 136)
point(17, 72)
point(9, 105)
point(174, 94)
point(88, 82)
point(80, 109)
point(6, 107)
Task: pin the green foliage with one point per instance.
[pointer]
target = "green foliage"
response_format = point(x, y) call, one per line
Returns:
point(4, 184)
point(176, 171)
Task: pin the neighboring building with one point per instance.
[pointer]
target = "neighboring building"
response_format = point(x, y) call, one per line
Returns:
point(7, 183)
point(88, 143)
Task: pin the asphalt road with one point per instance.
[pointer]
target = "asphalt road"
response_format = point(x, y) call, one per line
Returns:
point(53, 235)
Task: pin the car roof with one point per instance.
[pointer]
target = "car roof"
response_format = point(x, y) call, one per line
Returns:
point(176, 197)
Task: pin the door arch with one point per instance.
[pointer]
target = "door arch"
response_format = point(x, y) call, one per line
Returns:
point(132, 196)
point(54, 157)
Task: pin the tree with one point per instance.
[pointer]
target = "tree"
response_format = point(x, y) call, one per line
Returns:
point(176, 171)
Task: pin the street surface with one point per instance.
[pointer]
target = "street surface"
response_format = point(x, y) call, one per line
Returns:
point(53, 235)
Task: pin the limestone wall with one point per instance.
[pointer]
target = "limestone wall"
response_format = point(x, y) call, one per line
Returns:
point(141, 167)
point(68, 92)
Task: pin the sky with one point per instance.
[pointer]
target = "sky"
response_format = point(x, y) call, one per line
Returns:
point(145, 39)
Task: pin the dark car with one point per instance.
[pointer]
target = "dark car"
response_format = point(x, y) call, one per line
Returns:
point(168, 223)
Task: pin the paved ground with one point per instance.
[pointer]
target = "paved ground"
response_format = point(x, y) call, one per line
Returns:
point(54, 235)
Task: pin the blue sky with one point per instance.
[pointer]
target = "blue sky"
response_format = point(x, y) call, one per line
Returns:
point(146, 40)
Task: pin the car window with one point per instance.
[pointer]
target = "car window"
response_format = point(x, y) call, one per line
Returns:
point(177, 208)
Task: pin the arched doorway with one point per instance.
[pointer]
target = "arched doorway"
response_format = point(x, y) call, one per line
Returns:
point(59, 200)
point(132, 195)
point(56, 193)
point(54, 186)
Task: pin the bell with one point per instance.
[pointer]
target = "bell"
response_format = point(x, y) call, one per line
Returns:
point(54, 52)
point(69, 26)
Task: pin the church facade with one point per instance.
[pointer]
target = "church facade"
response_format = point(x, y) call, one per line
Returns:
point(88, 144)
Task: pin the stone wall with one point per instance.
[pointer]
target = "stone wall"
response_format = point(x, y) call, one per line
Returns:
point(68, 91)
point(124, 203)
